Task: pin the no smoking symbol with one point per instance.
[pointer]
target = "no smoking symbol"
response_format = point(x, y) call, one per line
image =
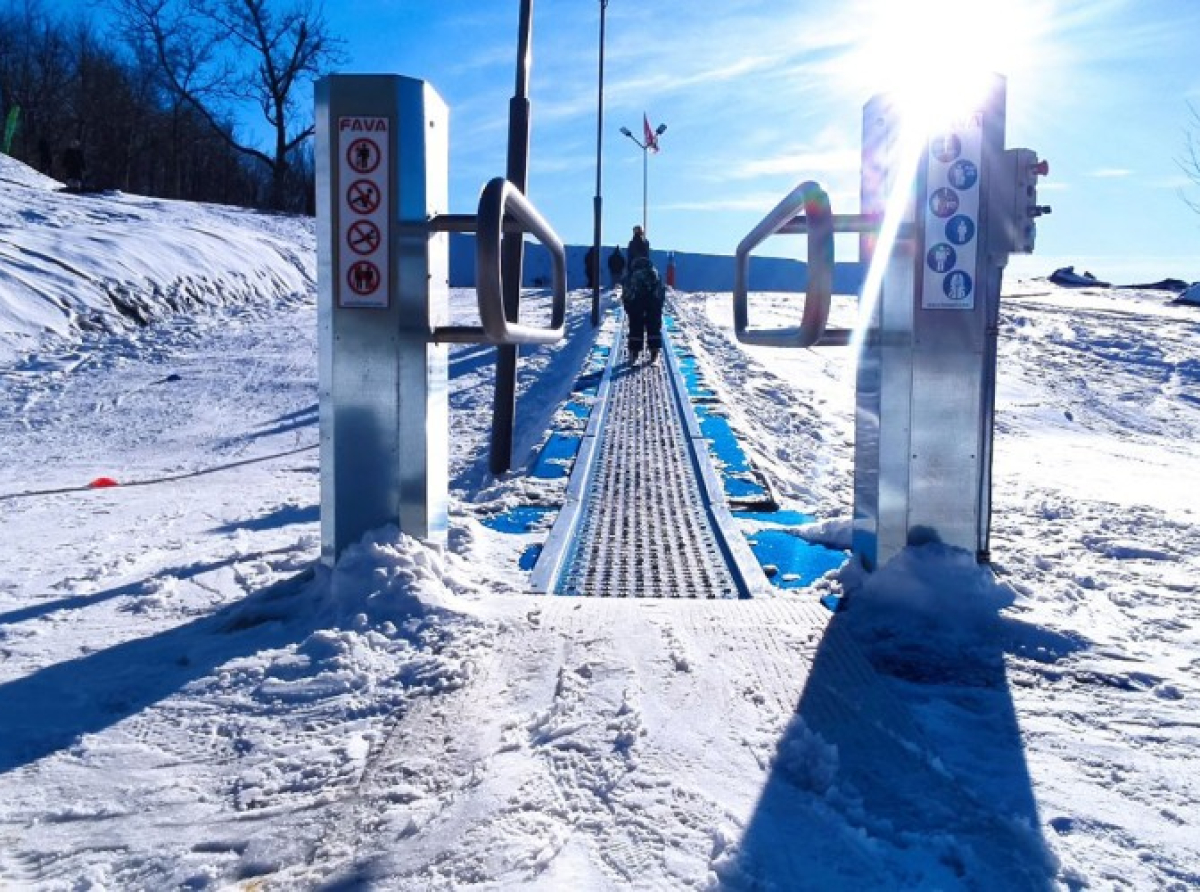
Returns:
point(363, 237)
point(363, 155)
point(363, 196)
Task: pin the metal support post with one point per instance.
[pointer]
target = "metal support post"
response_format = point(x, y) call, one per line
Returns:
point(927, 371)
point(940, 216)
point(513, 253)
point(382, 161)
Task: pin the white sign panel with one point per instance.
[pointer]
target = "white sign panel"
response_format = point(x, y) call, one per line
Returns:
point(952, 216)
point(363, 212)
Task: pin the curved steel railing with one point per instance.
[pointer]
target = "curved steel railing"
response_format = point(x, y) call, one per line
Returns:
point(502, 202)
point(818, 224)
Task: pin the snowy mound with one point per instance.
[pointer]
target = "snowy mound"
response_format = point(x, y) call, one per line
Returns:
point(1190, 295)
point(14, 173)
point(1068, 278)
point(70, 264)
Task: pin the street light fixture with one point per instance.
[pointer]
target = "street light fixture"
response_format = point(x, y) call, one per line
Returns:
point(645, 147)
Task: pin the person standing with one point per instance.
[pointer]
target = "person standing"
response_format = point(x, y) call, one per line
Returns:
point(616, 266)
point(74, 166)
point(591, 265)
point(643, 301)
point(637, 249)
point(638, 246)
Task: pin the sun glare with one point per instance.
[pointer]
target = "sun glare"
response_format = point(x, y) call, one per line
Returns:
point(935, 55)
point(935, 59)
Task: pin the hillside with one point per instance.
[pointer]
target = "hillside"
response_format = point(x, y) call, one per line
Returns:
point(72, 264)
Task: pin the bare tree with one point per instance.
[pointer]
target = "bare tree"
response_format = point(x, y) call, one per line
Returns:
point(214, 55)
point(1190, 162)
point(36, 69)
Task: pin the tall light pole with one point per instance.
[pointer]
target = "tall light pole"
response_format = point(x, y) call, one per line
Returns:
point(512, 252)
point(597, 202)
point(650, 143)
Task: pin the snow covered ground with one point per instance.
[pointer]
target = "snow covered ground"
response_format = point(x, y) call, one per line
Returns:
point(188, 701)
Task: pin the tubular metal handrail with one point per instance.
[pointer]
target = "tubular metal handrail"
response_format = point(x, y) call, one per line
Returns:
point(501, 205)
point(819, 224)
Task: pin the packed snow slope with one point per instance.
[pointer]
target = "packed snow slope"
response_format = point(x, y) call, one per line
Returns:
point(101, 262)
point(188, 701)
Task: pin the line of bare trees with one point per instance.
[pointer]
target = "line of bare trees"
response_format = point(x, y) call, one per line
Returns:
point(152, 101)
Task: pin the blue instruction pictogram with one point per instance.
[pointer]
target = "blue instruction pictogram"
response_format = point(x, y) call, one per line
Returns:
point(957, 285)
point(963, 174)
point(941, 258)
point(960, 229)
point(946, 147)
point(943, 202)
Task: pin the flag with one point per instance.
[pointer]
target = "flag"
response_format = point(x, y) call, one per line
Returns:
point(10, 127)
point(648, 132)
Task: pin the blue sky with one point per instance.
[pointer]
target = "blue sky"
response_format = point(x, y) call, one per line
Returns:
point(759, 95)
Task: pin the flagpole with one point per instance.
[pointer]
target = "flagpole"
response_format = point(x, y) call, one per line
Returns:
point(645, 183)
point(650, 143)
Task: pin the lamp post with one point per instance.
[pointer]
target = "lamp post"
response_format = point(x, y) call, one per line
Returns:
point(512, 252)
point(596, 204)
point(650, 143)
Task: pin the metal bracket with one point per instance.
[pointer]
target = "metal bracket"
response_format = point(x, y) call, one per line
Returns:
point(502, 208)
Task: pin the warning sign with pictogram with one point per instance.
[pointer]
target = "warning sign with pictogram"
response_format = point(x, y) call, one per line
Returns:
point(952, 201)
point(363, 212)
point(363, 196)
point(363, 237)
point(363, 155)
point(363, 277)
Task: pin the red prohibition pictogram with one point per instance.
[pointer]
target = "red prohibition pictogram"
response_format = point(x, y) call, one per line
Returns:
point(363, 155)
point(363, 237)
point(363, 277)
point(363, 196)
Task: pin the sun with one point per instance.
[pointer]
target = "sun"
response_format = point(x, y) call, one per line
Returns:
point(937, 56)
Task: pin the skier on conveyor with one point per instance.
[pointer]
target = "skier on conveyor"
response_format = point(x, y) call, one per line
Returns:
point(643, 301)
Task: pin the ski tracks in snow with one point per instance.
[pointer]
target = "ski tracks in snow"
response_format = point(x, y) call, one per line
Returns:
point(473, 797)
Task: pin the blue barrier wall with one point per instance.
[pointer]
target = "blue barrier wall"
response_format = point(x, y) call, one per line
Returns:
point(693, 272)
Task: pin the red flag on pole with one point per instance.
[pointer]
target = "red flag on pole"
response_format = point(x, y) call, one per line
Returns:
point(648, 131)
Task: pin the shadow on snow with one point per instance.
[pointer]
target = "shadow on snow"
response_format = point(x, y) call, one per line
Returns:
point(47, 711)
point(912, 778)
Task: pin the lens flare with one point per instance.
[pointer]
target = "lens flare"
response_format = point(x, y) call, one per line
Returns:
point(908, 153)
point(935, 60)
point(934, 51)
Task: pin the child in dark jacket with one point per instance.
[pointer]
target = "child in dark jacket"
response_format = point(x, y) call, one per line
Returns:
point(643, 301)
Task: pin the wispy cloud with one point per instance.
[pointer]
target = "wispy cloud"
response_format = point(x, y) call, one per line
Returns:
point(799, 162)
point(1110, 173)
point(760, 201)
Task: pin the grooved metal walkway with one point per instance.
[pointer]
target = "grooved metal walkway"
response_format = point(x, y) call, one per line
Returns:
point(645, 528)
